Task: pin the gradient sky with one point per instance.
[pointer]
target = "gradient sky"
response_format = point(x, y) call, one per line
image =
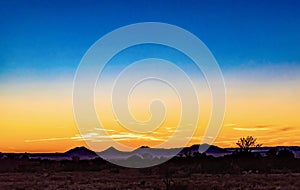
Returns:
point(256, 44)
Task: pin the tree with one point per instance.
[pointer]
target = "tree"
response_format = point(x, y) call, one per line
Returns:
point(245, 144)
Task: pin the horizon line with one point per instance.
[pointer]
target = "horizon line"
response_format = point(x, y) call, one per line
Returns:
point(53, 152)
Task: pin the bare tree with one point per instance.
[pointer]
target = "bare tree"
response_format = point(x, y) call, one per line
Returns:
point(245, 144)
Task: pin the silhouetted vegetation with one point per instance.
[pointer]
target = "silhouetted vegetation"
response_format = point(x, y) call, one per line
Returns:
point(171, 174)
point(234, 164)
point(285, 154)
point(247, 144)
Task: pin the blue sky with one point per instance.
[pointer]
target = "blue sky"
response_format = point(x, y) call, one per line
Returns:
point(42, 42)
point(44, 37)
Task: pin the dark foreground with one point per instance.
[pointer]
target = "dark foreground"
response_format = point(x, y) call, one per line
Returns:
point(239, 171)
point(107, 179)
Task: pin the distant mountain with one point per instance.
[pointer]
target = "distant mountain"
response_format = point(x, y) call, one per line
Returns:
point(145, 152)
point(149, 153)
point(263, 150)
point(208, 149)
point(112, 153)
point(81, 152)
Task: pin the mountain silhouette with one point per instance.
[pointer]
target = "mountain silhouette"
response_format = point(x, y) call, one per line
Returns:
point(208, 149)
point(81, 152)
point(147, 152)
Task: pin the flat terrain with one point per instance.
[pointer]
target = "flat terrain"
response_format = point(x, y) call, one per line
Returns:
point(239, 171)
point(132, 179)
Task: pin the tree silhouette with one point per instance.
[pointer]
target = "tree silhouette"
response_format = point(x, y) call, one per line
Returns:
point(245, 144)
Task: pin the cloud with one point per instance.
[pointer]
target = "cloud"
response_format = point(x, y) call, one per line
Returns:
point(53, 139)
point(263, 72)
point(102, 129)
point(95, 137)
point(134, 136)
point(287, 128)
point(118, 137)
point(251, 129)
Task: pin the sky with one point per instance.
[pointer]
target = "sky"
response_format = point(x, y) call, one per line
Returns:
point(256, 44)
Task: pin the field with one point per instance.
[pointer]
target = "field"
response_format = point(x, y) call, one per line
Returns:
point(240, 171)
point(131, 179)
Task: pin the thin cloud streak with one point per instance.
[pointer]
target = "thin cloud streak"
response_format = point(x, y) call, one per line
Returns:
point(251, 129)
point(53, 139)
point(119, 137)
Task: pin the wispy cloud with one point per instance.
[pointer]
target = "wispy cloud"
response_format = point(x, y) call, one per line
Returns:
point(53, 139)
point(119, 137)
point(288, 128)
point(102, 129)
point(251, 129)
point(134, 136)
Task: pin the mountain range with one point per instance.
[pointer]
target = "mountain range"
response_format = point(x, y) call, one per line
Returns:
point(143, 152)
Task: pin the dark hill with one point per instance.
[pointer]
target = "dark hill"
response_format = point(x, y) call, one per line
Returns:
point(81, 152)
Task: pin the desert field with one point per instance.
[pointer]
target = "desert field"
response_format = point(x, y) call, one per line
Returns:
point(241, 171)
point(131, 179)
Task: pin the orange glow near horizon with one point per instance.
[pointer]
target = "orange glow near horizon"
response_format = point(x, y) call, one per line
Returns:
point(38, 117)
